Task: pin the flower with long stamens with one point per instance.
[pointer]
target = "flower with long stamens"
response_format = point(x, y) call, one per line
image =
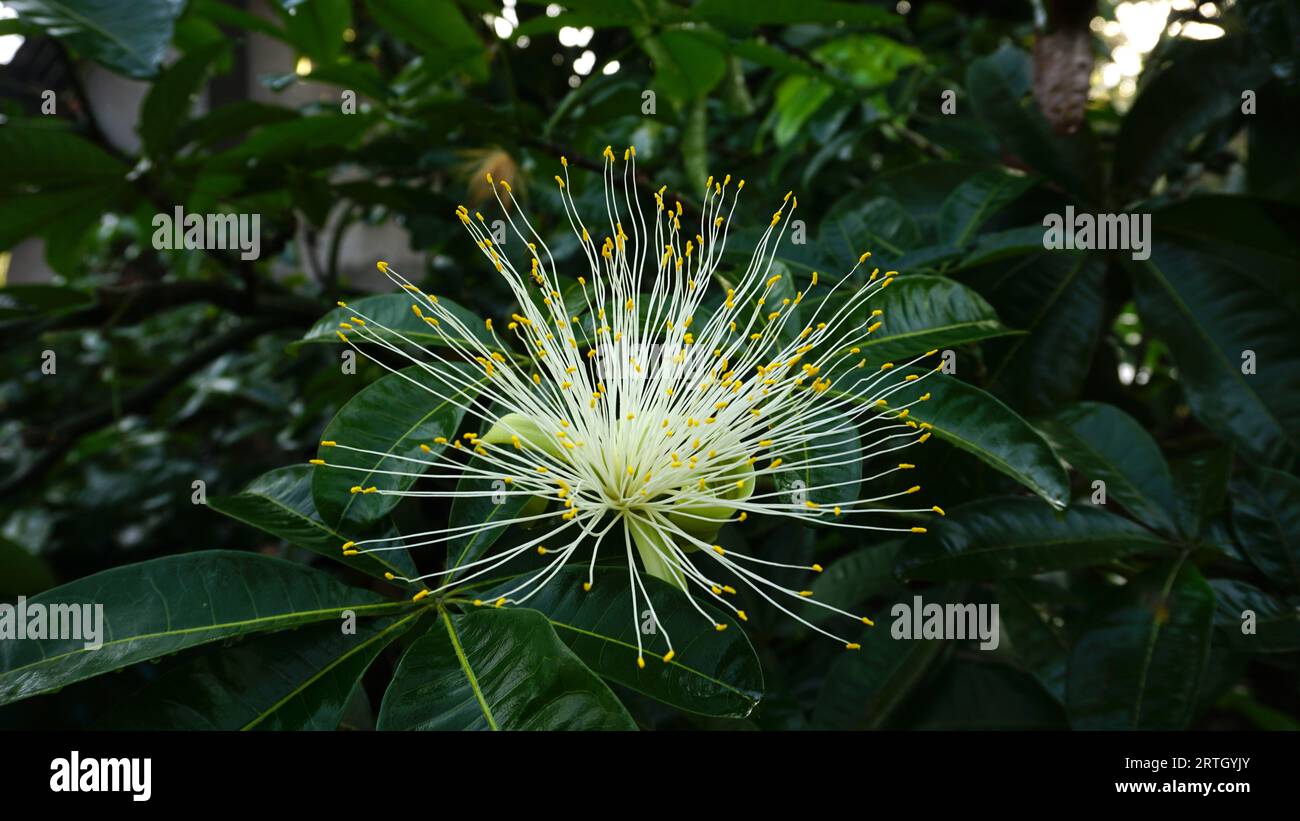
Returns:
point(655, 399)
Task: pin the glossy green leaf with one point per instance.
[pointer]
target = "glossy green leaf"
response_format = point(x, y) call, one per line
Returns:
point(41, 154)
point(280, 503)
point(317, 27)
point(880, 225)
point(975, 201)
point(1004, 538)
point(979, 694)
point(393, 311)
point(1028, 625)
point(164, 605)
point(1252, 621)
point(828, 469)
point(1210, 317)
point(1103, 443)
point(1266, 518)
point(1056, 299)
point(849, 581)
point(712, 673)
point(1138, 664)
point(926, 313)
point(1195, 85)
point(1201, 487)
point(473, 510)
point(497, 670)
point(292, 680)
point(998, 85)
point(130, 38)
point(968, 418)
point(863, 688)
point(394, 416)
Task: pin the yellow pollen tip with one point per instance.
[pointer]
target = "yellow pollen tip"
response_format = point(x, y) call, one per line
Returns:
point(868, 622)
point(719, 627)
point(816, 568)
point(853, 646)
point(918, 530)
point(381, 265)
point(422, 594)
point(315, 461)
point(938, 510)
point(669, 656)
point(586, 587)
point(640, 662)
point(741, 615)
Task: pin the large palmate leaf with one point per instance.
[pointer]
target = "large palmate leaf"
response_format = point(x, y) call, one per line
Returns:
point(130, 38)
point(1213, 321)
point(497, 670)
point(968, 418)
point(293, 680)
point(168, 604)
point(1266, 517)
point(1138, 664)
point(713, 673)
point(393, 416)
point(393, 311)
point(926, 313)
point(1004, 538)
point(1104, 443)
point(280, 503)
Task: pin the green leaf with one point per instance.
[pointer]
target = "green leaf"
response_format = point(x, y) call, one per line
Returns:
point(164, 605)
point(130, 38)
point(473, 510)
point(863, 574)
point(687, 67)
point(827, 470)
point(977, 199)
point(1103, 443)
point(1266, 518)
point(973, 694)
point(394, 416)
point(863, 688)
point(974, 421)
point(1209, 317)
point(1007, 538)
point(393, 311)
point(1138, 665)
point(170, 99)
point(497, 670)
point(294, 680)
point(316, 26)
point(1275, 625)
point(1195, 86)
point(1056, 297)
point(997, 85)
point(438, 29)
point(925, 313)
point(880, 225)
point(712, 673)
point(280, 503)
point(36, 154)
point(1036, 640)
point(1201, 487)
point(797, 99)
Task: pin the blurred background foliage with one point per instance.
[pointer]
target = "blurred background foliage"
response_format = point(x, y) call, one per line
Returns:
point(936, 134)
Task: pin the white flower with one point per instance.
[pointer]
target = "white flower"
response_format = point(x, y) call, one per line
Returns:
point(644, 420)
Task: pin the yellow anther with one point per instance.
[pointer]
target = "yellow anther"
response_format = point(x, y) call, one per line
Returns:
point(918, 530)
point(741, 615)
point(938, 510)
point(853, 646)
point(640, 662)
point(669, 655)
point(719, 627)
point(806, 593)
point(316, 461)
point(422, 594)
point(816, 568)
